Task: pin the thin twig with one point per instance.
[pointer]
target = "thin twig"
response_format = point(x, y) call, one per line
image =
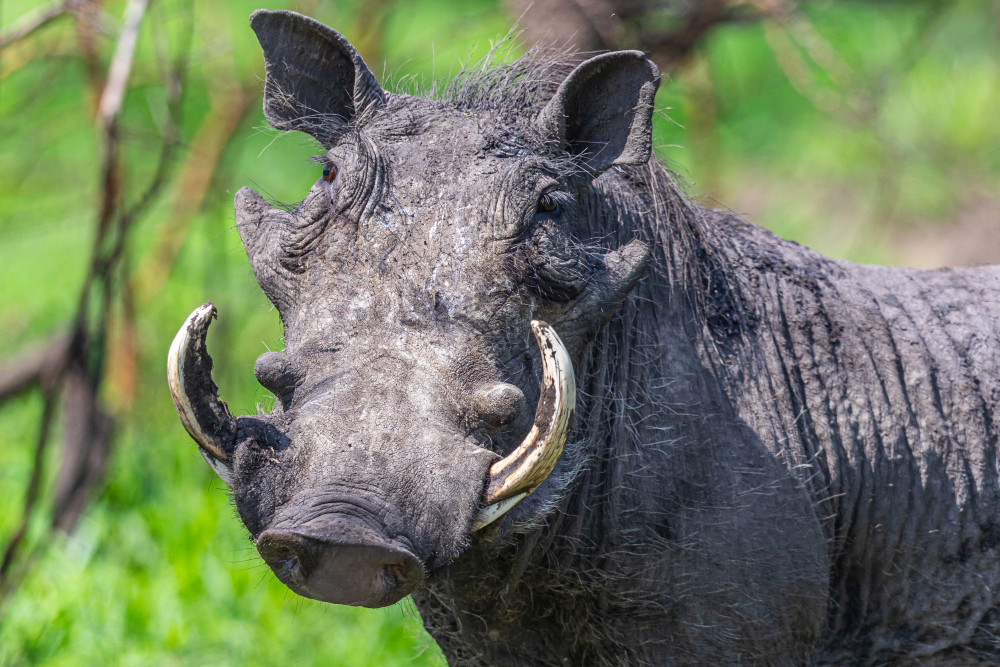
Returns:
point(31, 23)
point(122, 357)
point(86, 37)
point(34, 483)
point(229, 104)
point(121, 63)
point(669, 49)
point(833, 103)
point(36, 363)
point(196, 175)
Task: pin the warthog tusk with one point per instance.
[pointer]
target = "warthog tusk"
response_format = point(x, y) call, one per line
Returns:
point(524, 469)
point(491, 513)
point(189, 375)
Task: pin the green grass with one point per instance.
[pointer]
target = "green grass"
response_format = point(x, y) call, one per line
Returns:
point(160, 570)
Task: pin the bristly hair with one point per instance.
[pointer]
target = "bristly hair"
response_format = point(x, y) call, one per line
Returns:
point(516, 90)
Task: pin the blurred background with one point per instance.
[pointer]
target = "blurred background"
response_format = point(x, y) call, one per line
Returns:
point(867, 130)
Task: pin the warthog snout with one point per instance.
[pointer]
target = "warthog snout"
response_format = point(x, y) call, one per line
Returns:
point(350, 565)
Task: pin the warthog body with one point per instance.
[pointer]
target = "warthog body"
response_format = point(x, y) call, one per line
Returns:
point(775, 458)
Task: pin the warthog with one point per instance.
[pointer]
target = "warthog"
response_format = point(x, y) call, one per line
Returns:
point(742, 452)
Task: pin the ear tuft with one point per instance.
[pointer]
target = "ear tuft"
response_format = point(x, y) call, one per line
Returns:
point(316, 82)
point(603, 111)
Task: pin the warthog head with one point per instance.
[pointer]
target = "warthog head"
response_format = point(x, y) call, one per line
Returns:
point(421, 283)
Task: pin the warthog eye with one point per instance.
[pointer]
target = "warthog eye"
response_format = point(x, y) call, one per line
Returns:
point(329, 172)
point(548, 204)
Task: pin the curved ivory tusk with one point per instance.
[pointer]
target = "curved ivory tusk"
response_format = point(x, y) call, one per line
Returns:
point(189, 375)
point(520, 473)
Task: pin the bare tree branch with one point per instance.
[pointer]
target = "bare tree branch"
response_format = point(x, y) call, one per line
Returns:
point(85, 449)
point(36, 20)
point(668, 30)
point(121, 63)
point(122, 362)
point(34, 484)
point(38, 363)
point(87, 34)
point(227, 111)
point(87, 344)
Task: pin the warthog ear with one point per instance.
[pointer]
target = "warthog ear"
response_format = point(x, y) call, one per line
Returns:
point(603, 111)
point(315, 80)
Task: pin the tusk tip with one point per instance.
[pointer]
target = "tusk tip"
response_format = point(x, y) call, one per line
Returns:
point(492, 512)
point(203, 313)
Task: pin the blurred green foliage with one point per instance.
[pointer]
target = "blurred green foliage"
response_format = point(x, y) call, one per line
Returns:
point(900, 125)
point(903, 134)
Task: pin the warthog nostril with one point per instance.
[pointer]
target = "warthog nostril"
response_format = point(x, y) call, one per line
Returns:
point(289, 555)
point(290, 564)
point(393, 574)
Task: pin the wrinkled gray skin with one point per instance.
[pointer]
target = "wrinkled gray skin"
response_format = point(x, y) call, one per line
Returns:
point(777, 458)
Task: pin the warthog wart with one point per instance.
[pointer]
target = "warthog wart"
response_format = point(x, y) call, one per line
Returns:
point(742, 452)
